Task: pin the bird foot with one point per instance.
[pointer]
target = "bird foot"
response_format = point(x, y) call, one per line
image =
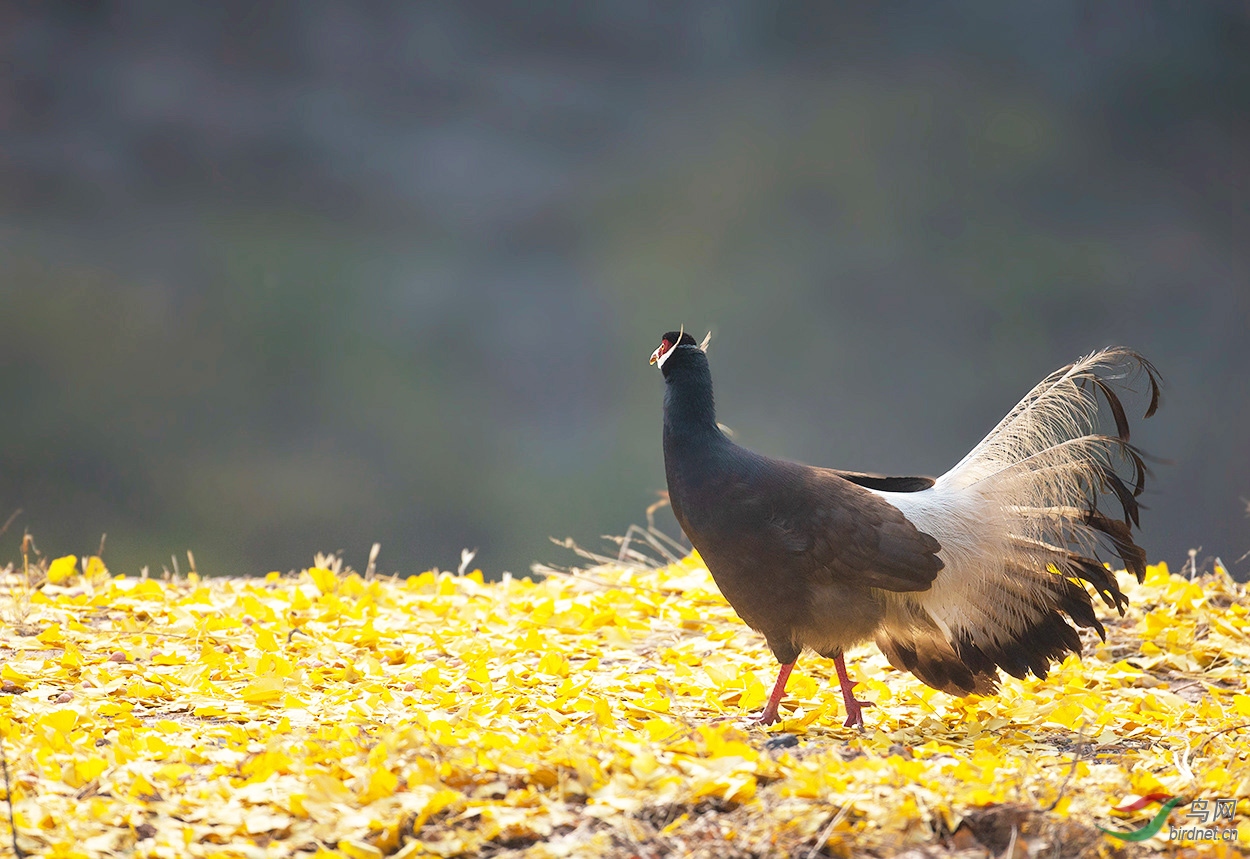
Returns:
point(855, 713)
point(770, 716)
point(854, 707)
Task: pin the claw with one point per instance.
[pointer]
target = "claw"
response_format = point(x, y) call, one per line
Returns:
point(855, 714)
point(854, 707)
point(765, 719)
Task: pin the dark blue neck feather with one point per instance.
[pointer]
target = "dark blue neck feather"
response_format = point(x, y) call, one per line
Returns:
point(689, 408)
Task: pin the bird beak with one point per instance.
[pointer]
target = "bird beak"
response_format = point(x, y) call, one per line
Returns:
point(655, 356)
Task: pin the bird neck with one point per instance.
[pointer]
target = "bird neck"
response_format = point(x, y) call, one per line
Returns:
point(689, 408)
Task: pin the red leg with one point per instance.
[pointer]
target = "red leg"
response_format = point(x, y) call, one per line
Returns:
point(774, 700)
point(854, 708)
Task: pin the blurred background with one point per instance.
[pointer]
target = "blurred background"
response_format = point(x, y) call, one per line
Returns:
point(285, 277)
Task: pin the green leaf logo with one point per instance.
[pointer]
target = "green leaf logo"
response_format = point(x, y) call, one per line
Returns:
point(1150, 828)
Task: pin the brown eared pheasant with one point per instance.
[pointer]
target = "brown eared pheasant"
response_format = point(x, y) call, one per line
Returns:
point(953, 577)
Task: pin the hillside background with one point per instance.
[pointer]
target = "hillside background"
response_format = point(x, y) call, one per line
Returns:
point(280, 277)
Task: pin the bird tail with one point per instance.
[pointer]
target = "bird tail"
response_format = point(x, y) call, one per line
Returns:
point(1023, 529)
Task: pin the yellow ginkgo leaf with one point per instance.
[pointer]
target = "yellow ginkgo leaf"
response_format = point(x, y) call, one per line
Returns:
point(325, 580)
point(63, 569)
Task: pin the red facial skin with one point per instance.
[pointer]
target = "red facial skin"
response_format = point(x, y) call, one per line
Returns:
point(659, 353)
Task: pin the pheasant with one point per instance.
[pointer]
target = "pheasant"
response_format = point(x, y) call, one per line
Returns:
point(953, 577)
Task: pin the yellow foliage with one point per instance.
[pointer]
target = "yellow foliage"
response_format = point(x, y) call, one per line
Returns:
point(325, 580)
point(445, 715)
point(62, 569)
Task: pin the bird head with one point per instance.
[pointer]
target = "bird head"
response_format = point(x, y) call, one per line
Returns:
point(670, 343)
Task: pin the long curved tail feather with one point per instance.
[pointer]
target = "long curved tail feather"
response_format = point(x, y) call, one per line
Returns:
point(1022, 524)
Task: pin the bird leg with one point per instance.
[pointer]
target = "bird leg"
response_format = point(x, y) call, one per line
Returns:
point(769, 716)
point(854, 708)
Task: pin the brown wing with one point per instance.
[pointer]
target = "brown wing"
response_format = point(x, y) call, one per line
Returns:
point(838, 528)
point(815, 523)
point(800, 553)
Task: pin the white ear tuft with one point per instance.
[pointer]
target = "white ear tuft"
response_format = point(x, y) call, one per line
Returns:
point(706, 340)
point(659, 361)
